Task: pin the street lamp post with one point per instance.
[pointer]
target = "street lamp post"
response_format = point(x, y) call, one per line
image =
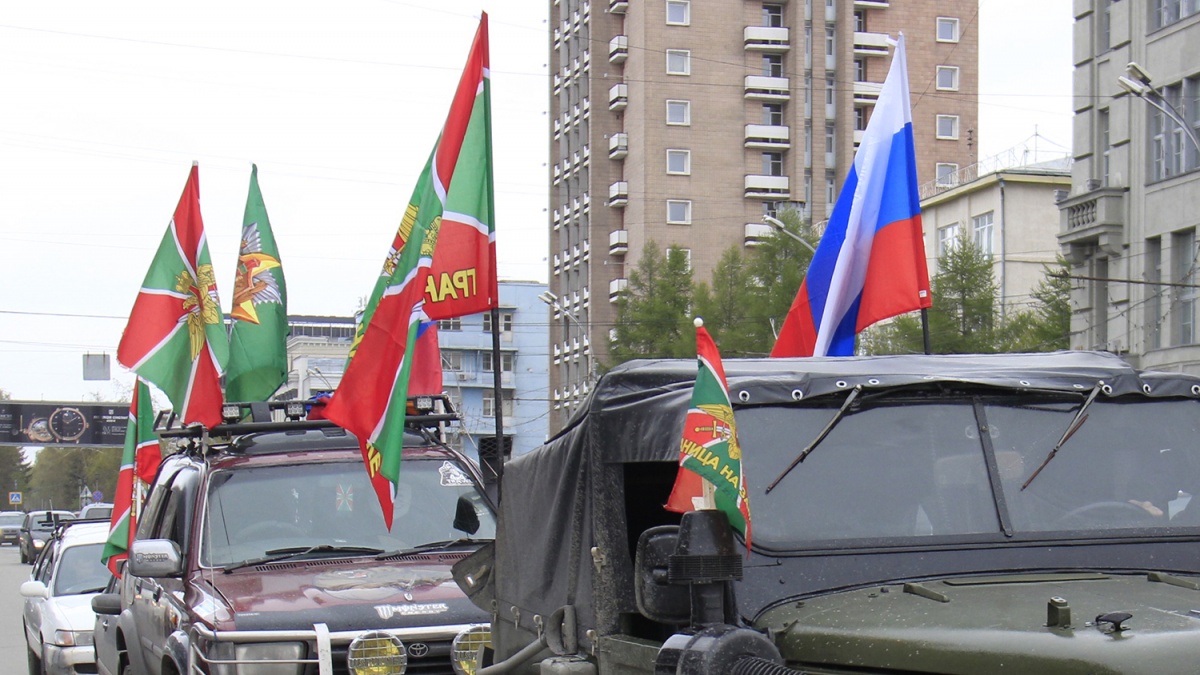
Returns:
point(780, 227)
point(1138, 82)
point(552, 300)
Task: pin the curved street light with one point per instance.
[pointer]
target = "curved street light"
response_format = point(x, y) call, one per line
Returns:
point(1137, 81)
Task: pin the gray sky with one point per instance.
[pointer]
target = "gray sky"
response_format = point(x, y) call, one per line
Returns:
point(105, 106)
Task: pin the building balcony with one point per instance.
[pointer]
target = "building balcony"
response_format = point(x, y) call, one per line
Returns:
point(870, 44)
point(757, 233)
point(618, 49)
point(615, 288)
point(763, 88)
point(618, 242)
point(768, 137)
point(618, 97)
point(867, 92)
point(766, 39)
point(768, 187)
point(858, 136)
point(620, 6)
point(618, 194)
point(618, 145)
point(870, 4)
point(1092, 219)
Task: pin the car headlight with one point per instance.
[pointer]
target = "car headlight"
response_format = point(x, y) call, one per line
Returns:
point(38, 543)
point(377, 653)
point(464, 651)
point(73, 638)
point(228, 658)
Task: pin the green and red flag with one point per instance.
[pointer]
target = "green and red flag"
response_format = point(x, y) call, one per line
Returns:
point(175, 338)
point(258, 341)
point(141, 457)
point(442, 264)
point(709, 452)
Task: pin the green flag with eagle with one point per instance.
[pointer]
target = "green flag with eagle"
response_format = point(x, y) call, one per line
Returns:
point(140, 442)
point(442, 264)
point(710, 452)
point(258, 340)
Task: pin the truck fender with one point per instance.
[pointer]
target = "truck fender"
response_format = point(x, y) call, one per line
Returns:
point(178, 646)
point(133, 646)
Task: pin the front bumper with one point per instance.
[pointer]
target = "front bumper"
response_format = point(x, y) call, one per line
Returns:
point(63, 660)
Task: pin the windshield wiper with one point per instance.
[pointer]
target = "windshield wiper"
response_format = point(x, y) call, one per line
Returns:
point(425, 548)
point(820, 437)
point(1080, 418)
point(281, 554)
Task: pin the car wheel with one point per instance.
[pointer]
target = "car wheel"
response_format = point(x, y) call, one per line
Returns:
point(24, 558)
point(35, 663)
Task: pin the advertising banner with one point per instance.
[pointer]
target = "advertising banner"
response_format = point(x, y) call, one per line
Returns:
point(49, 423)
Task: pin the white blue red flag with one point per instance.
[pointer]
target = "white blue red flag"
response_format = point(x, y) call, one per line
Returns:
point(870, 264)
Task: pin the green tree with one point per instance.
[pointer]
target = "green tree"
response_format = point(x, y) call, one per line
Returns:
point(776, 269)
point(1052, 308)
point(724, 308)
point(654, 312)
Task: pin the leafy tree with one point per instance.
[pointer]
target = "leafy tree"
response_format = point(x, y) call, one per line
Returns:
point(725, 308)
point(60, 473)
point(1052, 328)
point(654, 312)
point(777, 268)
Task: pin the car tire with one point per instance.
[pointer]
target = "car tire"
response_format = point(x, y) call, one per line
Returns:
point(35, 663)
point(24, 558)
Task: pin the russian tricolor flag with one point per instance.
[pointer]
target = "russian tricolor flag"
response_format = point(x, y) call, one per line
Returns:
point(870, 264)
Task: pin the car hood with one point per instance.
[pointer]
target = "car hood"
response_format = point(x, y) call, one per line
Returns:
point(68, 612)
point(355, 594)
point(989, 624)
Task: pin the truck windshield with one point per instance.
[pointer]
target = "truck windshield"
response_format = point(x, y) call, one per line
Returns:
point(913, 469)
point(251, 511)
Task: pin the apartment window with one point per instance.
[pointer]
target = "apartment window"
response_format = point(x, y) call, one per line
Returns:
point(947, 29)
point(489, 403)
point(679, 62)
point(772, 15)
point(772, 65)
point(830, 85)
point(772, 163)
point(860, 70)
point(947, 78)
point(1103, 142)
point(1167, 12)
point(679, 211)
point(947, 239)
point(860, 119)
point(1185, 255)
point(829, 137)
point(1170, 151)
point(1154, 293)
point(507, 362)
point(678, 12)
point(506, 322)
point(685, 253)
point(946, 174)
point(771, 209)
point(947, 127)
point(450, 324)
point(679, 162)
point(860, 21)
point(1104, 36)
point(1191, 95)
point(679, 113)
point(981, 228)
point(773, 114)
point(829, 42)
point(830, 191)
point(451, 360)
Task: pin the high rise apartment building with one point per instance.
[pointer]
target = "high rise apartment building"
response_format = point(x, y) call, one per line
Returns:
point(684, 123)
point(1129, 226)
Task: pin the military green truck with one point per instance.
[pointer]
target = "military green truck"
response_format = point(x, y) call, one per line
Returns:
point(1022, 513)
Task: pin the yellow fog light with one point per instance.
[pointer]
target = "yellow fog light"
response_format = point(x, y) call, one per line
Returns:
point(464, 651)
point(377, 653)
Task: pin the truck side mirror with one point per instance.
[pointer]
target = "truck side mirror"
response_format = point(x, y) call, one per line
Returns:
point(155, 558)
point(657, 599)
point(466, 518)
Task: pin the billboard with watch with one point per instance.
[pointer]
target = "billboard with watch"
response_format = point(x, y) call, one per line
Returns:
point(63, 423)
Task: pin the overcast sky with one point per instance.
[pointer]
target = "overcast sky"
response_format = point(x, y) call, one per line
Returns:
point(104, 106)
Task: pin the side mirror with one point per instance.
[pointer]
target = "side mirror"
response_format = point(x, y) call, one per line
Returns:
point(34, 589)
point(155, 558)
point(466, 519)
point(657, 599)
point(107, 603)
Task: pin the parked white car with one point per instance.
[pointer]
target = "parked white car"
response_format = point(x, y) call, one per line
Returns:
point(58, 613)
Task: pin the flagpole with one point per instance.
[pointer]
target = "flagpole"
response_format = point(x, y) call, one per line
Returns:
point(925, 329)
point(495, 462)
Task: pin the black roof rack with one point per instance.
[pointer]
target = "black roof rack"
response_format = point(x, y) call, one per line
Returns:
point(246, 418)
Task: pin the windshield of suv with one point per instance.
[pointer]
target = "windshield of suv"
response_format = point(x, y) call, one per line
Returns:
point(254, 511)
point(918, 468)
point(80, 570)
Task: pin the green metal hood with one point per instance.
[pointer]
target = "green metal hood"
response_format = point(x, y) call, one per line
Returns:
point(996, 624)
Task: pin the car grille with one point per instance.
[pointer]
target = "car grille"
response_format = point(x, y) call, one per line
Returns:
point(436, 660)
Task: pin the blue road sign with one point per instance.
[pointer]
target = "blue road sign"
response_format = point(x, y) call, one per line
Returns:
point(14, 498)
